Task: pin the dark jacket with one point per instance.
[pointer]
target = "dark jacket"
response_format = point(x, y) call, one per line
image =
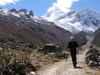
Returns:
point(73, 45)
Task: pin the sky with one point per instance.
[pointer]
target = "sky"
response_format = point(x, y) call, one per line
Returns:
point(40, 7)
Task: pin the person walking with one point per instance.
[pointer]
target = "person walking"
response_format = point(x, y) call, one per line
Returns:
point(72, 45)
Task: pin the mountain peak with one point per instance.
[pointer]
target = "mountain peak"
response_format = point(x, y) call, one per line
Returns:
point(1, 8)
point(14, 10)
point(86, 20)
point(31, 13)
point(16, 13)
point(23, 10)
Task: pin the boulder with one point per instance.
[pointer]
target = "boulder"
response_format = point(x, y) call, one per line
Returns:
point(92, 63)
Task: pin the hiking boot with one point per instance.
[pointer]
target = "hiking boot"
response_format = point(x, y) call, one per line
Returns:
point(74, 65)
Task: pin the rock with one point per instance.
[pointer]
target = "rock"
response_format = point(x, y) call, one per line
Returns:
point(30, 66)
point(14, 10)
point(23, 10)
point(32, 73)
point(21, 68)
point(9, 69)
point(31, 13)
point(92, 63)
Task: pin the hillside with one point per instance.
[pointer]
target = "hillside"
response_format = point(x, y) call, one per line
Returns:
point(81, 38)
point(23, 25)
point(96, 39)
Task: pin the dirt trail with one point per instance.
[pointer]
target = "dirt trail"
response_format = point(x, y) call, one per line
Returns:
point(65, 68)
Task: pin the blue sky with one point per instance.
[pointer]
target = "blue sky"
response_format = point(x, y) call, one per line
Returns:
point(40, 7)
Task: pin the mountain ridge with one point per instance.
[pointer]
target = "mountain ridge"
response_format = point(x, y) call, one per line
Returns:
point(75, 21)
point(23, 25)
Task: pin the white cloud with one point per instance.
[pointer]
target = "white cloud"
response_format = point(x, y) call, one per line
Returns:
point(63, 4)
point(4, 2)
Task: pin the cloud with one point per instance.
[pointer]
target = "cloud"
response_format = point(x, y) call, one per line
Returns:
point(63, 4)
point(4, 2)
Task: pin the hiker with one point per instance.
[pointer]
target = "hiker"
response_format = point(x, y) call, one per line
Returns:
point(72, 45)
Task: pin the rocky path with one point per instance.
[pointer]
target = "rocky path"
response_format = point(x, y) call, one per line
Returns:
point(65, 67)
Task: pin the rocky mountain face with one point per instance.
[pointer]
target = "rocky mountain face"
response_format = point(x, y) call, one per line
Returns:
point(96, 40)
point(23, 25)
point(75, 20)
point(81, 38)
point(80, 22)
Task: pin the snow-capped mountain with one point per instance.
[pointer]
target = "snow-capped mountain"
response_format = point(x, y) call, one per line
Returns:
point(75, 20)
point(23, 25)
point(15, 12)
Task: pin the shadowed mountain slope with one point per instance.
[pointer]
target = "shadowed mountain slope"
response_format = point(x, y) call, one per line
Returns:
point(96, 40)
point(26, 27)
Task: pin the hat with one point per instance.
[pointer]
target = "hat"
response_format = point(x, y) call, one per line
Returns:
point(72, 37)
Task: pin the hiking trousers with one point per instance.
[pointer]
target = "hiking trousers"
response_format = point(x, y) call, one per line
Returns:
point(73, 56)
